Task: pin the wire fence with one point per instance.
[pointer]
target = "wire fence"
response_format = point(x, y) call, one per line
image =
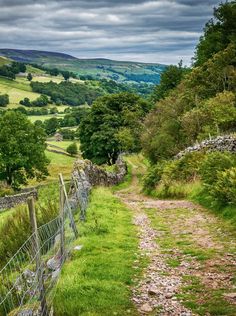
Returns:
point(27, 282)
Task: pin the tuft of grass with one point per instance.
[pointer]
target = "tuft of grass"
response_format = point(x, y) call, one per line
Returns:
point(15, 222)
point(97, 278)
point(173, 263)
point(212, 302)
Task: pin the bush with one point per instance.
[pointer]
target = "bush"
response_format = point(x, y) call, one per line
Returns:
point(184, 169)
point(72, 149)
point(214, 163)
point(224, 189)
point(152, 178)
point(4, 100)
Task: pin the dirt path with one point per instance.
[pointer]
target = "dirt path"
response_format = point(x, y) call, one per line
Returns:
point(192, 258)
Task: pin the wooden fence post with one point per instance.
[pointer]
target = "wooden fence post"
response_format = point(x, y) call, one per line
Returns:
point(62, 234)
point(68, 206)
point(39, 269)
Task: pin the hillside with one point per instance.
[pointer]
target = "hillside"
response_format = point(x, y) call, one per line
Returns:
point(97, 68)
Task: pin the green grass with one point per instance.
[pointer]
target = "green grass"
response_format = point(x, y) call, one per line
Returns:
point(16, 91)
point(63, 144)
point(4, 61)
point(96, 280)
point(4, 215)
point(212, 303)
point(58, 164)
point(42, 118)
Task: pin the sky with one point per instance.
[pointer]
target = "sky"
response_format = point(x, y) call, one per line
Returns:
point(162, 31)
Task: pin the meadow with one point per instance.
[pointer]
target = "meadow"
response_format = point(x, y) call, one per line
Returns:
point(101, 273)
point(20, 88)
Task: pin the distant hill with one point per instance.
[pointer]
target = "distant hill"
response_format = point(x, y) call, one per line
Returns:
point(121, 71)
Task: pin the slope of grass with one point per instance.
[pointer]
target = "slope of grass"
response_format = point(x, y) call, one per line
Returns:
point(100, 68)
point(59, 164)
point(96, 280)
point(4, 61)
point(17, 91)
point(63, 144)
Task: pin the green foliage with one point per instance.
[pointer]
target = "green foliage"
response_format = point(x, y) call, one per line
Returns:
point(5, 190)
point(29, 76)
point(67, 134)
point(110, 118)
point(218, 175)
point(176, 178)
point(152, 177)
point(224, 189)
point(66, 75)
point(67, 92)
point(203, 103)
point(218, 32)
point(72, 149)
point(22, 146)
point(166, 176)
point(170, 78)
point(214, 116)
point(11, 70)
point(42, 100)
point(25, 102)
point(213, 163)
point(4, 100)
point(51, 125)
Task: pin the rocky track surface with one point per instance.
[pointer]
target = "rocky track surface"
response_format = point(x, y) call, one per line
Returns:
point(191, 259)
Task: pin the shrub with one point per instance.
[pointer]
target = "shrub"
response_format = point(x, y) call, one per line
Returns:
point(153, 176)
point(72, 149)
point(224, 189)
point(4, 100)
point(214, 163)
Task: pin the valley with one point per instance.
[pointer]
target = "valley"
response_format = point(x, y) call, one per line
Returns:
point(118, 178)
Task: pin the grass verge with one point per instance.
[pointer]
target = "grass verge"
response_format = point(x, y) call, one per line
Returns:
point(97, 278)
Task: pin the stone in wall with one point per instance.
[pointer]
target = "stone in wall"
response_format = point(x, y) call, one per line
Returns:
point(220, 143)
point(13, 200)
point(85, 175)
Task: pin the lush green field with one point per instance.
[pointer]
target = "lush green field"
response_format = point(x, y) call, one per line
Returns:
point(17, 90)
point(42, 118)
point(96, 280)
point(63, 144)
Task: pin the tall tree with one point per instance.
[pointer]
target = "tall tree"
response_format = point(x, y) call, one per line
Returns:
point(111, 117)
point(218, 32)
point(170, 78)
point(29, 76)
point(22, 146)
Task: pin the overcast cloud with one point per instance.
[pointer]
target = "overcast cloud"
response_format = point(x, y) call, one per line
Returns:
point(163, 31)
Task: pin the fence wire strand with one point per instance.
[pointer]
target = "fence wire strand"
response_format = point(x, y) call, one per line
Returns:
point(21, 291)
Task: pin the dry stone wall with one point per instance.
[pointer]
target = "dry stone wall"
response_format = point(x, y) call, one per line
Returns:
point(13, 200)
point(85, 175)
point(221, 143)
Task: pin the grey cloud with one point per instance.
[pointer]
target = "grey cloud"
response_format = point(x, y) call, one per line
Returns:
point(124, 29)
